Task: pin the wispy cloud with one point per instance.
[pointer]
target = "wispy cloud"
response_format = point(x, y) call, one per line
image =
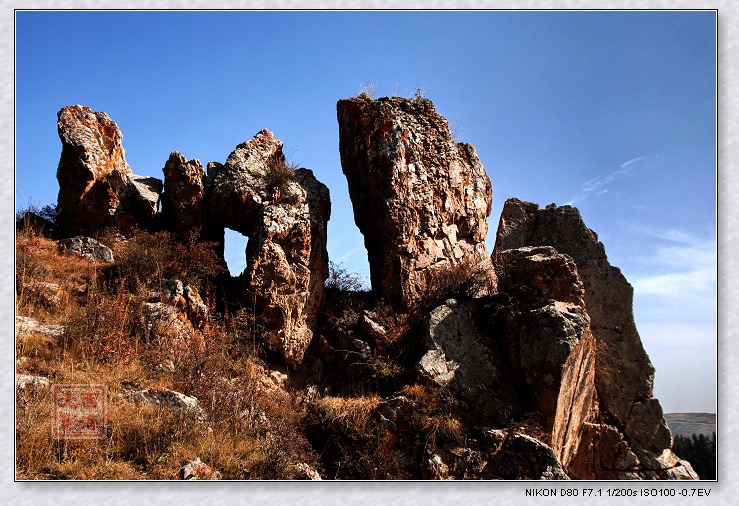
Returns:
point(598, 185)
point(683, 267)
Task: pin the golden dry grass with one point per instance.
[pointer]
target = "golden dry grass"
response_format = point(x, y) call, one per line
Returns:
point(249, 432)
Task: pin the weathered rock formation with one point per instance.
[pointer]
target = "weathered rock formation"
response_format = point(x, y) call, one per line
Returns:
point(542, 360)
point(623, 375)
point(183, 201)
point(546, 334)
point(284, 213)
point(420, 199)
point(97, 188)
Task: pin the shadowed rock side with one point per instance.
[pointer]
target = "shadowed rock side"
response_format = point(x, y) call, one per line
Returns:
point(284, 213)
point(184, 201)
point(623, 374)
point(97, 188)
point(546, 332)
point(420, 199)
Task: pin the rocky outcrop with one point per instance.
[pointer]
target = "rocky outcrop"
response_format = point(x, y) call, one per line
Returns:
point(460, 357)
point(284, 213)
point(48, 294)
point(97, 188)
point(184, 205)
point(623, 375)
point(85, 247)
point(25, 325)
point(27, 382)
point(420, 199)
point(546, 331)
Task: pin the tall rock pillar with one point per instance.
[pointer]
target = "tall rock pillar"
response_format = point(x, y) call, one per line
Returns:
point(420, 199)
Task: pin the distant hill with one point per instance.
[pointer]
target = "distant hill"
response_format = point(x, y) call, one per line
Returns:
point(687, 424)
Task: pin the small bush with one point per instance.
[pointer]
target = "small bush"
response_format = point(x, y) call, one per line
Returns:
point(280, 173)
point(146, 257)
point(341, 279)
point(435, 417)
point(353, 415)
point(461, 280)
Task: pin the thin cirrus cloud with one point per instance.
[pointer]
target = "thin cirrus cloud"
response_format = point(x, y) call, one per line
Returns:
point(598, 185)
point(684, 267)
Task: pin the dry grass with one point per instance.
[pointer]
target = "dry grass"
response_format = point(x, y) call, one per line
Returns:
point(353, 414)
point(250, 431)
point(435, 418)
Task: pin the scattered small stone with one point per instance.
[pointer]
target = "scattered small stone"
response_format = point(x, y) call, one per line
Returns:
point(174, 400)
point(85, 247)
point(196, 470)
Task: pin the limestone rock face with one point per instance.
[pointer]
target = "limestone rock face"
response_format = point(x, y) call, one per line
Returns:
point(550, 346)
point(183, 201)
point(460, 357)
point(420, 199)
point(623, 373)
point(97, 188)
point(284, 213)
point(253, 177)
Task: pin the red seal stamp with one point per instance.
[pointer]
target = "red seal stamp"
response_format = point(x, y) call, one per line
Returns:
point(79, 411)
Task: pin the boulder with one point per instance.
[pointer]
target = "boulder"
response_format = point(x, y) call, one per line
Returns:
point(24, 325)
point(306, 472)
point(459, 357)
point(176, 401)
point(26, 382)
point(85, 247)
point(183, 297)
point(420, 199)
point(522, 457)
point(142, 197)
point(48, 294)
point(97, 188)
point(505, 455)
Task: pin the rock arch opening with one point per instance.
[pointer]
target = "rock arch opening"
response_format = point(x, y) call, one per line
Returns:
point(234, 251)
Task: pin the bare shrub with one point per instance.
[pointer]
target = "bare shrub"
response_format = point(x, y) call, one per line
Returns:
point(460, 280)
point(104, 328)
point(280, 173)
point(367, 91)
point(151, 256)
point(341, 279)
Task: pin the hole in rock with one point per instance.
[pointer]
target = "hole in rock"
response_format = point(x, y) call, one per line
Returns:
point(234, 251)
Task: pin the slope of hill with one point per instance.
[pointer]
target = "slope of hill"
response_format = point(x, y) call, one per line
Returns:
point(687, 424)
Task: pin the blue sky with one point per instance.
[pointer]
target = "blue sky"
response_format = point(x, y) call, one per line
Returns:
point(612, 112)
